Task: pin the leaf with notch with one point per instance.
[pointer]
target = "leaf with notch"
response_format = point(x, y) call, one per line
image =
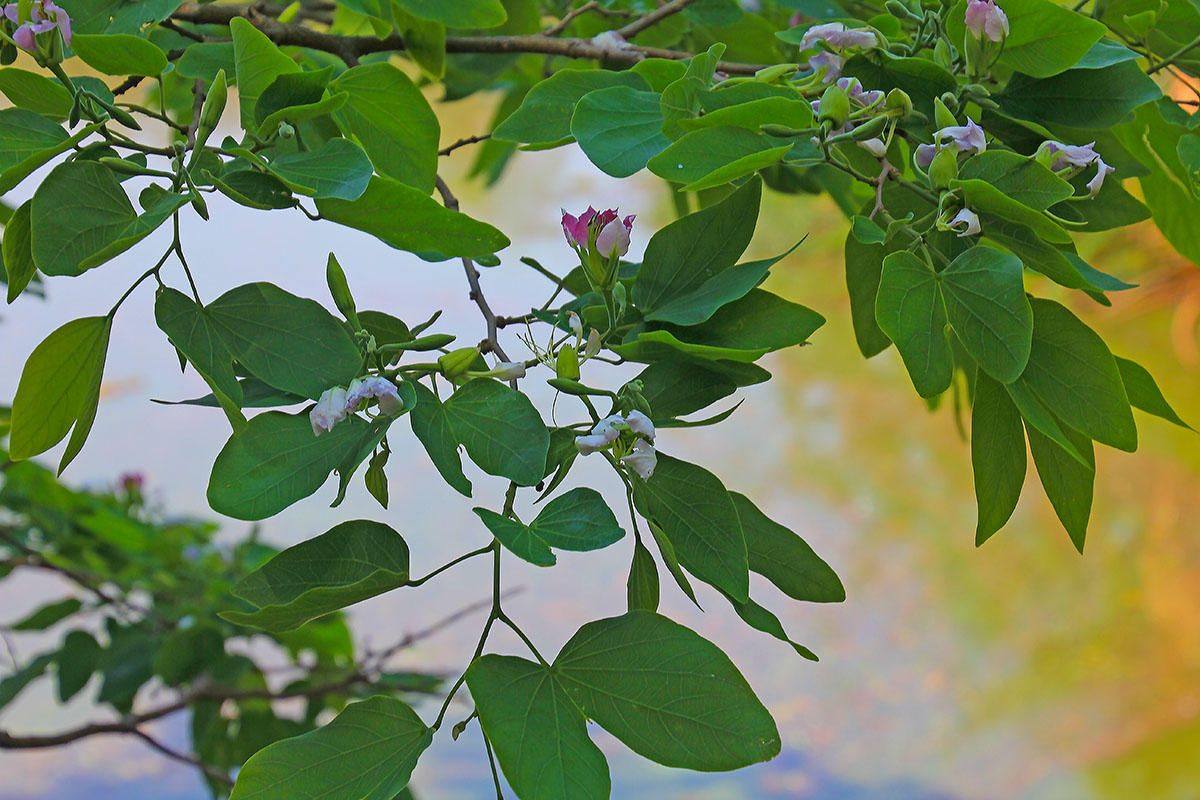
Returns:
point(984, 292)
point(909, 309)
point(501, 430)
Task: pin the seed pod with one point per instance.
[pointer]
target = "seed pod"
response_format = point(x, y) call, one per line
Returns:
point(834, 108)
point(335, 277)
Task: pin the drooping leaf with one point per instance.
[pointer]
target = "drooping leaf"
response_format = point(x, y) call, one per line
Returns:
point(984, 291)
point(17, 257)
point(343, 566)
point(48, 615)
point(432, 428)
point(763, 619)
point(619, 129)
point(501, 430)
point(642, 586)
point(76, 661)
point(910, 311)
point(997, 456)
point(1068, 483)
point(1144, 393)
point(579, 520)
point(666, 693)
point(785, 559)
point(366, 753)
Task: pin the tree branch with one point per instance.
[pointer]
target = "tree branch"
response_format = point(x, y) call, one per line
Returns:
point(653, 18)
point(350, 48)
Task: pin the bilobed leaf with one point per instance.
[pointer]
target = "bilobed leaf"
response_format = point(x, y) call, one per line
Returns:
point(1080, 98)
point(909, 309)
point(432, 428)
point(538, 733)
point(276, 461)
point(197, 337)
point(1068, 483)
point(338, 168)
point(695, 512)
point(343, 566)
point(1035, 414)
point(785, 559)
point(619, 129)
point(579, 520)
point(501, 430)
point(48, 615)
point(684, 255)
point(519, 539)
point(701, 152)
point(545, 112)
point(408, 219)
point(1073, 373)
point(984, 291)
point(1144, 393)
point(392, 121)
point(997, 456)
point(259, 62)
point(366, 753)
point(58, 385)
point(119, 54)
point(666, 693)
point(290, 342)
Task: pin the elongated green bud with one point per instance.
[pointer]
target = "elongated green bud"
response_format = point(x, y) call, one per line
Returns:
point(942, 117)
point(214, 106)
point(943, 169)
point(834, 107)
point(783, 131)
point(434, 341)
point(567, 364)
point(457, 362)
point(899, 102)
point(869, 129)
point(568, 386)
point(340, 290)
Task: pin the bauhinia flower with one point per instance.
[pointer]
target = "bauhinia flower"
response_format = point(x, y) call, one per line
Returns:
point(965, 223)
point(874, 146)
point(44, 16)
point(603, 433)
point(508, 370)
point(969, 139)
point(1072, 158)
point(985, 19)
point(830, 62)
point(640, 424)
point(838, 36)
point(600, 238)
point(576, 324)
point(381, 389)
point(329, 410)
point(642, 459)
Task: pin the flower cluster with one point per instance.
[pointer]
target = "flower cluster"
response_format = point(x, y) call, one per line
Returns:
point(641, 457)
point(985, 19)
point(336, 403)
point(600, 238)
point(969, 139)
point(1070, 159)
point(44, 16)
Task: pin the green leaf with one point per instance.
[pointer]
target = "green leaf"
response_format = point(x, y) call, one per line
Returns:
point(660, 72)
point(988, 200)
point(17, 258)
point(783, 558)
point(1073, 373)
point(367, 753)
point(997, 456)
point(764, 620)
point(119, 54)
point(920, 78)
point(407, 219)
point(290, 342)
point(1044, 38)
point(14, 174)
point(681, 99)
point(301, 113)
point(695, 512)
point(14, 684)
point(81, 218)
point(289, 90)
point(754, 114)
point(1068, 483)
point(36, 93)
point(690, 251)
point(202, 60)
point(984, 290)
point(1080, 98)
point(276, 461)
point(24, 134)
point(58, 386)
point(760, 320)
point(1017, 176)
point(1036, 414)
point(732, 284)
point(909, 309)
point(545, 113)
point(1144, 393)
point(338, 168)
point(579, 520)
point(675, 388)
point(864, 268)
point(48, 615)
point(619, 129)
point(1034, 253)
point(501, 430)
point(663, 345)
point(253, 189)
point(432, 428)
point(259, 62)
point(642, 586)
point(197, 336)
point(702, 152)
point(343, 566)
point(424, 42)
point(458, 13)
point(537, 732)
point(77, 660)
point(666, 693)
point(392, 121)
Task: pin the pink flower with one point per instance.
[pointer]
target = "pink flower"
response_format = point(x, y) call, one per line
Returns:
point(605, 230)
point(329, 410)
point(969, 139)
point(132, 482)
point(1072, 158)
point(830, 62)
point(986, 19)
point(44, 16)
point(576, 228)
point(613, 238)
point(838, 36)
point(380, 388)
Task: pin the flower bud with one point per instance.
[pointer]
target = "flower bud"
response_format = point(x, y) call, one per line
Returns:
point(567, 363)
point(898, 101)
point(942, 117)
point(340, 290)
point(458, 362)
point(834, 107)
point(985, 20)
point(214, 106)
point(286, 131)
point(942, 55)
point(869, 129)
point(943, 169)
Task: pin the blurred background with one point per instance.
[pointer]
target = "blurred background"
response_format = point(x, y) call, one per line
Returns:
point(1020, 669)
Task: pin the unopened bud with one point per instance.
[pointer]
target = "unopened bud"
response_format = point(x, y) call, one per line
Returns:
point(339, 289)
point(457, 362)
point(898, 101)
point(567, 364)
point(943, 169)
point(834, 107)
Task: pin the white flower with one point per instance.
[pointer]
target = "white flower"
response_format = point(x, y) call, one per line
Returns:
point(875, 147)
point(640, 424)
point(576, 323)
point(837, 36)
point(603, 434)
point(966, 222)
point(593, 343)
point(1097, 180)
point(509, 370)
point(1074, 157)
point(329, 410)
point(380, 388)
point(642, 460)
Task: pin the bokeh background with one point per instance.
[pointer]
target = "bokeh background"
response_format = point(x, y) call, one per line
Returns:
point(1019, 669)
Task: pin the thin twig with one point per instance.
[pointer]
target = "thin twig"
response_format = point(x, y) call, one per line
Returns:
point(653, 18)
point(211, 772)
point(591, 6)
point(445, 151)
